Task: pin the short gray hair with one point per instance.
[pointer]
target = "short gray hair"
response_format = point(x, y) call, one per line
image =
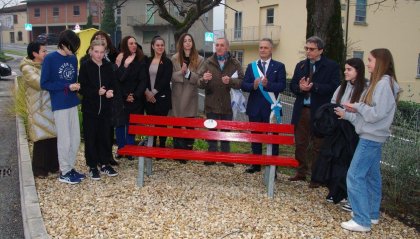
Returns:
point(224, 38)
point(268, 40)
point(316, 40)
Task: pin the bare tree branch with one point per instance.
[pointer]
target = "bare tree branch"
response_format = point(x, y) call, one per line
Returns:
point(7, 3)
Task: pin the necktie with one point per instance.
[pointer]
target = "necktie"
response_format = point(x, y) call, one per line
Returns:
point(263, 66)
point(311, 73)
point(311, 70)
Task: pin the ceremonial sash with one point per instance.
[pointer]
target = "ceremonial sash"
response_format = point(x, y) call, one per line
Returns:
point(269, 96)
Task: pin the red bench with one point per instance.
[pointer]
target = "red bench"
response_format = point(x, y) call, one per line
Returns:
point(195, 128)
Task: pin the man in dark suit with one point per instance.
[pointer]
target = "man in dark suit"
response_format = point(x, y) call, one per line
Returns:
point(314, 82)
point(261, 77)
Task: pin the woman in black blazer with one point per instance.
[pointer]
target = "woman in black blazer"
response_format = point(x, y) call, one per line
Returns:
point(158, 91)
point(131, 85)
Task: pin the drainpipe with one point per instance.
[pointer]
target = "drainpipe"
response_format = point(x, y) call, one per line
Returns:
point(347, 29)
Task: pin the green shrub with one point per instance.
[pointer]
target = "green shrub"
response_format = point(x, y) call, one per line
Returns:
point(18, 106)
point(408, 115)
point(400, 167)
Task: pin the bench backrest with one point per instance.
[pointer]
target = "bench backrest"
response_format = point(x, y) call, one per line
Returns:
point(149, 125)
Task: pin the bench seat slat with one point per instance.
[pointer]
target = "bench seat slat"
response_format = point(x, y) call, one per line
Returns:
point(211, 135)
point(221, 124)
point(236, 158)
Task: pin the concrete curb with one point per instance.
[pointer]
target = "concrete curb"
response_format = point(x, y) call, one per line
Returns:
point(33, 223)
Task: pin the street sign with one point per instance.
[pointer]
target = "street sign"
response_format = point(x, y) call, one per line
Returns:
point(28, 27)
point(208, 36)
point(77, 28)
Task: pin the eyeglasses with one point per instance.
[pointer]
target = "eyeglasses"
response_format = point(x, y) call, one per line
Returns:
point(310, 48)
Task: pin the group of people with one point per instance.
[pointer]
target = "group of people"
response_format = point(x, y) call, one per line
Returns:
point(116, 83)
point(339, 132)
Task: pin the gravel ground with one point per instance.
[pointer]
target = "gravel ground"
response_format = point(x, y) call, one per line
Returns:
point(194, 201)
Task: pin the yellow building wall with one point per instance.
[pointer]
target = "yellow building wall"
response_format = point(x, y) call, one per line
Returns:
point(394, 25)
point(19, 27)
point(289, 48)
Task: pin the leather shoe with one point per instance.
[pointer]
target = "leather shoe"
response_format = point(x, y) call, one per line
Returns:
point(314, 185)
point(253, 169)
point(297, 177)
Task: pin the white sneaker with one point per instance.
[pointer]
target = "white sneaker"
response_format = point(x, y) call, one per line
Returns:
point(353, 226)
point(373, 221)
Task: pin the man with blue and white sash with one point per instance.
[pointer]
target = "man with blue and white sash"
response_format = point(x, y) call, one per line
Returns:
point(264, 79)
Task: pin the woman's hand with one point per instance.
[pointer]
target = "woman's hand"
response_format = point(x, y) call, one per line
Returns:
point(109, 94)
point(102, 90)
point(184, 68)
point(349, 107)
point(130, 98)
point(150, 97)
point(129, 59)
point(340, 112)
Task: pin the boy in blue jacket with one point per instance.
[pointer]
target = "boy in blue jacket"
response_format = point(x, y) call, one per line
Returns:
point(59, 78)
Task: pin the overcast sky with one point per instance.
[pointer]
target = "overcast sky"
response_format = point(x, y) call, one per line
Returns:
point(218, 18)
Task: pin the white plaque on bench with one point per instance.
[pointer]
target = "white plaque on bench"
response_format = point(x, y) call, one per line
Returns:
point(210, 123)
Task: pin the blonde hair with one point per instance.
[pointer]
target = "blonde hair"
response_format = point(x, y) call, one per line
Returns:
point(97, 43)
point(384, 65)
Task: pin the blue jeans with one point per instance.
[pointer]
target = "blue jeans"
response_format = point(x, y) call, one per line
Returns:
point(364, 184)
point(122, 136)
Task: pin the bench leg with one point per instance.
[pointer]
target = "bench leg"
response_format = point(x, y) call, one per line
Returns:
point(140, 178)
point(271, 176)
point(265, 176)
point(269, 151)
point(149, 162)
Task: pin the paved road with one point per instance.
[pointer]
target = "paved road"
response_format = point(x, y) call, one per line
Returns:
point(11, 225)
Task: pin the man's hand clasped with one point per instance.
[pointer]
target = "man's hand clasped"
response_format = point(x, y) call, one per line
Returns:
point(207, 76)
point(305, 85)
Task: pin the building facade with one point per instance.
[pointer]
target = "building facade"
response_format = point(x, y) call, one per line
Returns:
point(12, 28)
point(392, 25)
point(140, 19)
point(52, 16)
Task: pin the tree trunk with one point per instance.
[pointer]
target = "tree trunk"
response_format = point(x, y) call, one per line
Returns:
point(324, 21)
point(108, 24)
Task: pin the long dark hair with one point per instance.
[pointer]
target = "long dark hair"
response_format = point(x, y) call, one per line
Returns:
point(152, 52)
point(111, 48)
point(193, 54)
point(126, 51)
point(359, 83)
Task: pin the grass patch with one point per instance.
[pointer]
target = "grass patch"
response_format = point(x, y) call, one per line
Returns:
point(5, 58)
point(14, 52)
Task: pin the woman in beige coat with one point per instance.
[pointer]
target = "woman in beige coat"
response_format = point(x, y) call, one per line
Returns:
point(41, 125)
point(186, 63)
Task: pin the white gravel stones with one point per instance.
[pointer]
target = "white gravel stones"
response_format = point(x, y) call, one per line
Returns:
point(194, 201)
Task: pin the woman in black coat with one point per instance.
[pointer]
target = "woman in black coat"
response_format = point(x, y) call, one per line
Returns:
point(158, 91)
point(130, 87)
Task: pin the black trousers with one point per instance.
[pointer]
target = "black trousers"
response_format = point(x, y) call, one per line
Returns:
point(45, 157)
point(257, 147)
point(98, 146)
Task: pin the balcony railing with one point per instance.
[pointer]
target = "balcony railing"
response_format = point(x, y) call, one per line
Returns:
point(146, 20)
point(253, 34)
